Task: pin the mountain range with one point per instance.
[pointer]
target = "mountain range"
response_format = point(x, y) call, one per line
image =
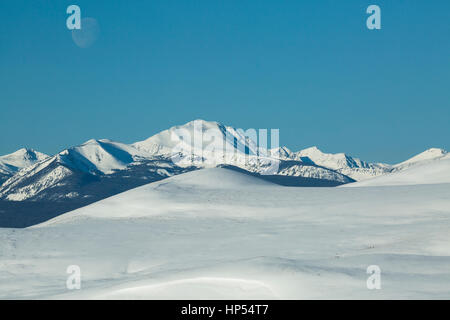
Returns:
point(50, 185)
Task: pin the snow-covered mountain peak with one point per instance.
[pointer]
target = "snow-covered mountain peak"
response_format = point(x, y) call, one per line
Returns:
point(341, 162)
point(429, 154)
point(333, 161)
point(24, 154)
point(199, 137)
point(95, 142)
point(281, 153)
point(206, 124)
point(11, 163)
point(423, 157)
point(102, 155)
point(313, 150)
point(99, 142)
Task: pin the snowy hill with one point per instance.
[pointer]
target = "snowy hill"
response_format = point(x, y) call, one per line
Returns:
point(147, 200)
point(423, 171)
point(220, 234)
point(422, 158)
point(12, 163)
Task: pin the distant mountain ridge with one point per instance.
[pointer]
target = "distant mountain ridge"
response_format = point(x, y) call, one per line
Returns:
point(63, 175)
point(342, 163)
point(101, 168)
point(355, 168)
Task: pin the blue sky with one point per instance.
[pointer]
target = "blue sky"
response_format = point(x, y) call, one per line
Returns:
point(310, 68)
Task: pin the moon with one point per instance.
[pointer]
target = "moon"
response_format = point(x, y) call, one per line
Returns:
point(88, 34)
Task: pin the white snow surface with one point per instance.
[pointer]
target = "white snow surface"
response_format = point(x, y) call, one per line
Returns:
point(425, 171)
point(220, 234)
point(425, 157)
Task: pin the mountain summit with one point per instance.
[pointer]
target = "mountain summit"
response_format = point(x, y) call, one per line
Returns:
point(200, 138)
point(22, 158)
point(424, 157)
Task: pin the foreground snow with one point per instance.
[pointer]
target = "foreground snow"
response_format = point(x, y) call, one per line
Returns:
point(217, 233)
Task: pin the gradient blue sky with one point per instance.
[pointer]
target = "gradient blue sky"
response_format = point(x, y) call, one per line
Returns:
point(310, 68)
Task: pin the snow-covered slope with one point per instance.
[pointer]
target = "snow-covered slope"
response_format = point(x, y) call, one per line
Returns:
point(147, 199)
point(218, 234)
point(429, 171)
point(11, 163)
point(422, 158)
